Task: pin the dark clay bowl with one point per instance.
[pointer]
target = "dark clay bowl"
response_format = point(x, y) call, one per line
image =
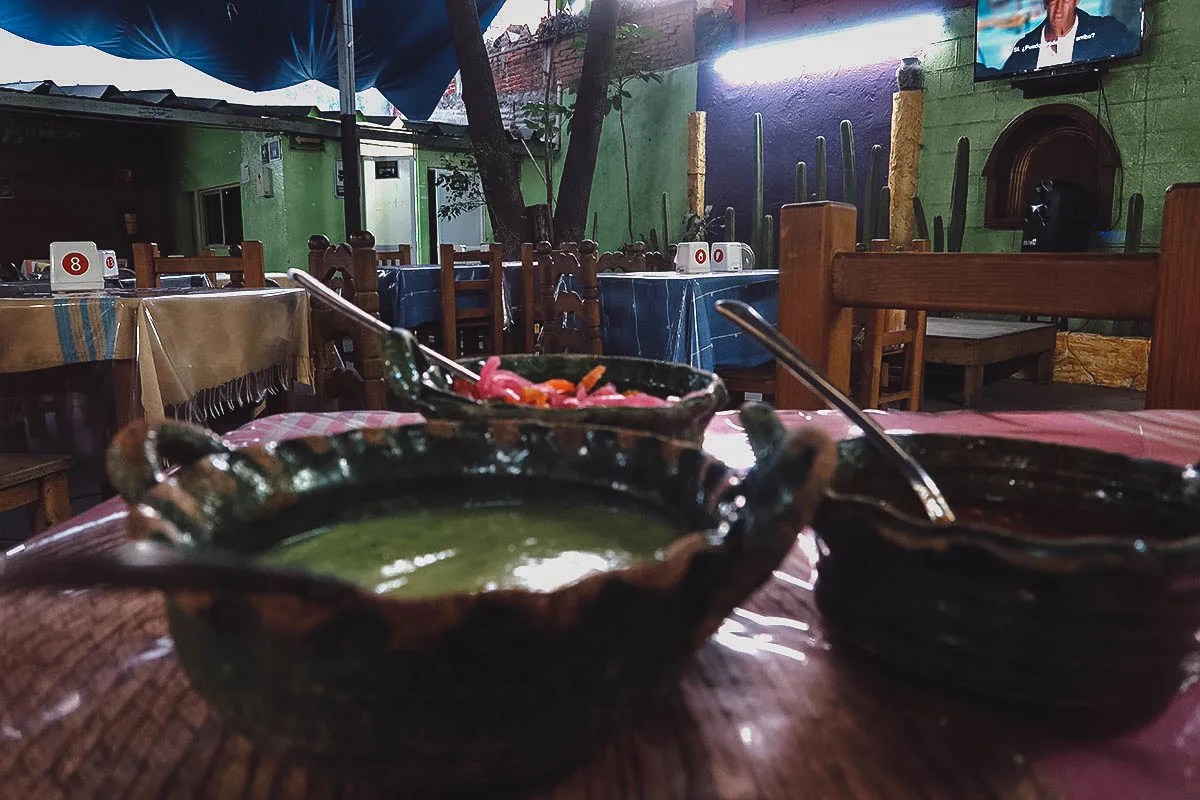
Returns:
point(461, 690)
point(1071, 581)
point(427, 389)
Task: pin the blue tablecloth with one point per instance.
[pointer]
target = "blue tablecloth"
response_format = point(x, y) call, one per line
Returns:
point(412, 296)
point(670, 317)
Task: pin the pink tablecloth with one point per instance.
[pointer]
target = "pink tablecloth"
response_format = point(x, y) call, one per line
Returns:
point(768, 710)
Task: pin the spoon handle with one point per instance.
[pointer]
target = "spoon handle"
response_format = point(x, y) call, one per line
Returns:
point(777, 344)
point(369, 321)
point(144, 565)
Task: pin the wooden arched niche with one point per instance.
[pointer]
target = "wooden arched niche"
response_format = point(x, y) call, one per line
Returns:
point(1060, 142)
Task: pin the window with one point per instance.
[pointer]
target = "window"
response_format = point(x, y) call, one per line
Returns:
point(221, 216)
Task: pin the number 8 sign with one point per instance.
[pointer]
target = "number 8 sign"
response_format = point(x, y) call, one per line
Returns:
point(75, 266)
point(75, 263)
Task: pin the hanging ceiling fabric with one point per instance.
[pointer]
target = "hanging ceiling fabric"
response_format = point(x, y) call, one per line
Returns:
point(402, 47)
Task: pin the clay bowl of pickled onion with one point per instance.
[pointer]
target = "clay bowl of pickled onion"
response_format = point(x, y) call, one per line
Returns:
point(664, 398)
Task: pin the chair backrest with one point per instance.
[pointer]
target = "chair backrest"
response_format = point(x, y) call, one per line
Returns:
point(400, 257)
point(822, 278)
point(244, 265)
point(561, 302)
point(890, 333)
point(491, 315)
point(348, 269)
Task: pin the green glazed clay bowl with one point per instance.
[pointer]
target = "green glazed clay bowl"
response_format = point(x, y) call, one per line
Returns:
point(467, 690)
point(427, 389)
point(1071, 582)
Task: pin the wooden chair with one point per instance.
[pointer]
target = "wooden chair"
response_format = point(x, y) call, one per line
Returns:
point(348, 269)
point(467, 320)
point(38, 481)
point(244, 265)
point(577, 262)
point(822, 279)
point(891, 336)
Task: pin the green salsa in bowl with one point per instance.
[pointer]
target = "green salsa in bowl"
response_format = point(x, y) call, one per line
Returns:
point(477, 602)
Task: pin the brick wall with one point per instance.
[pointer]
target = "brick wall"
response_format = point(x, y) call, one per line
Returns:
point(518, 55)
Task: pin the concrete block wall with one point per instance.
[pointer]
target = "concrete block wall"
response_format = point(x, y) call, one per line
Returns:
point(1154, 102)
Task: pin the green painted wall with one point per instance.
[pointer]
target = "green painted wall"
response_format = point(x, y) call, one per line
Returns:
point(202, 158)
point(1155, 116)
point(425, 159)
point(302, 200)
point(656, 120)
point(312, 206)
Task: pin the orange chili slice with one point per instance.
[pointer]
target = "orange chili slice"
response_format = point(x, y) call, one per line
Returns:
point(560, 385)
point(534, 396)
point(590, 380)
point(465, 388)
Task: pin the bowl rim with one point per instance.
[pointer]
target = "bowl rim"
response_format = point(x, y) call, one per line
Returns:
point(145, 519)
point(1024, 549)
point(712, 392)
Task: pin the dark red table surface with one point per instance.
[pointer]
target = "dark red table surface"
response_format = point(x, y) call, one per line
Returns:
point(93, 702)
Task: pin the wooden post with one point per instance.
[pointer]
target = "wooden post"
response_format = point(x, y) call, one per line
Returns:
point(697, 163)
point(810, 235)
point(1174, 370)
point(908, 114)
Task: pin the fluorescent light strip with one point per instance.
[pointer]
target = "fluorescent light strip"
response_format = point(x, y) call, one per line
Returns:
point(874, 43)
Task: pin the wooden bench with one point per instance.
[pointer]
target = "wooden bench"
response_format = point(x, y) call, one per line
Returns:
point(977, 343)
point(822, 280)
point(39, 481)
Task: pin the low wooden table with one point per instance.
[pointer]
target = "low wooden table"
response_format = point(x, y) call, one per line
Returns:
point(38, 481)
point(976, 343)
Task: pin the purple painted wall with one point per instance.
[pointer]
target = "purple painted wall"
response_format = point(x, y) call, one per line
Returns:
point(795, 112)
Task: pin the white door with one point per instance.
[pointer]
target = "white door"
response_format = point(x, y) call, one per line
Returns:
point(390, 191)
point(467, 228)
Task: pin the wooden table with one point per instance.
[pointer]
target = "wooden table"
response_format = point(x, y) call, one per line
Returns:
point(976, 343)
point(38, 481)
point(93, 702)
point(198, 350)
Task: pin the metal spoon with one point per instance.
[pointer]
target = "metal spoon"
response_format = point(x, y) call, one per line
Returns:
point(372, 323)
point(146, 565)
point(752, 322)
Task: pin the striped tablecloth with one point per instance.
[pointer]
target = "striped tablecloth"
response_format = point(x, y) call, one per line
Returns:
point(195, 351)
point(670, 317)
point(93, 702)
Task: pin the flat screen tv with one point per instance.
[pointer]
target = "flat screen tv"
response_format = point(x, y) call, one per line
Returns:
point(1021, 38)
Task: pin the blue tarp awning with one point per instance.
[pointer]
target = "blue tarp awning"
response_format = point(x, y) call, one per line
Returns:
point(402, 47)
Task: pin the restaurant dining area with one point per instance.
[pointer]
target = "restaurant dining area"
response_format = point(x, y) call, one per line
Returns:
point(723, 399)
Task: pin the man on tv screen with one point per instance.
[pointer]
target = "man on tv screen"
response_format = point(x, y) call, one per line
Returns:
point(1068, 35)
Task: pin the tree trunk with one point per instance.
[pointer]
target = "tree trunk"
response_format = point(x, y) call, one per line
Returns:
point(579, 165)
point(489, 139)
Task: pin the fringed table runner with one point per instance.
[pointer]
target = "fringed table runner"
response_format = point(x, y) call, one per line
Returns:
point(197, 354)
